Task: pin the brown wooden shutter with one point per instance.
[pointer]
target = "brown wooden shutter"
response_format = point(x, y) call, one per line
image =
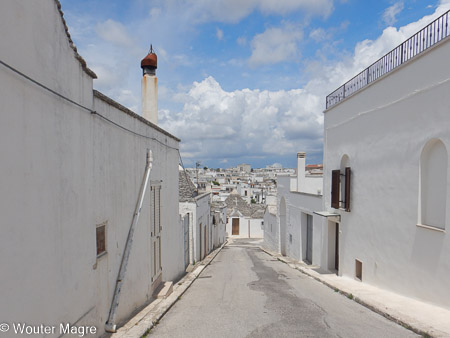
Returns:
point(101, 239)
point(335, 187)
point(348, 174)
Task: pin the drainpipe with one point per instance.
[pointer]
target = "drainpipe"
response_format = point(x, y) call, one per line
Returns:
point(110, 325)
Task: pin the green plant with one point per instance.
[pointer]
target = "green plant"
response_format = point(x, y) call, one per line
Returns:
point(350, 296)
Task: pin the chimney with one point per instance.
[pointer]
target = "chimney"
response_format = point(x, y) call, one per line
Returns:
point(149, 85)
point(301, 171)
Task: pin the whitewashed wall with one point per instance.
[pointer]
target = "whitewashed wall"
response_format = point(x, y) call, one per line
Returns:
point(383, 130)
point(63, 171)
point(271, 232)
point(298, 205)
point(200, 213)
point(246, 224)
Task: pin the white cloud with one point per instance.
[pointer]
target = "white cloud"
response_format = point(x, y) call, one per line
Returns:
point(215, 123)
point(390, 14)
point(219, 34)
point(245, 121)
point(235, 10)
point(114, 32)
point(312, 7)
point(318, 35)
point(275, 45)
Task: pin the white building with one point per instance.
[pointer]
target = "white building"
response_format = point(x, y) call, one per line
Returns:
point(243, 220)
point(297, 231)
point(219, 221)
point(246, 168)
point(387, 137)
point(72, 167)
point(197, 208)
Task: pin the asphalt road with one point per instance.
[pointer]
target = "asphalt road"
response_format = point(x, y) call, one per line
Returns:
point(245, 292)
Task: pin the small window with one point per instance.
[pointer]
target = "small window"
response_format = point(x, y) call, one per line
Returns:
point(358, 269)
point(101, 239)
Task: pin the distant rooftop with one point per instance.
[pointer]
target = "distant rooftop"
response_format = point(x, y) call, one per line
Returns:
point(435, 32)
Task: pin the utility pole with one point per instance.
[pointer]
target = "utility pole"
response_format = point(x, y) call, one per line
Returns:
point(197, 165)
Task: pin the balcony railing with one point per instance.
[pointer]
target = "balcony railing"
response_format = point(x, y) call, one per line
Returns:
point(416, 44)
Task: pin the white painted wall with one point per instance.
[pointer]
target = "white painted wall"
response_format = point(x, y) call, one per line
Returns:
point(383, 130)
point(199, 210)
point(246, 225)
point(271, 232)
point(65, 170)
point(298, 205)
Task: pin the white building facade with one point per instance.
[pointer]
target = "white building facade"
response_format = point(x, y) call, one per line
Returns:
point(71, 180)
point(386, 167)
point(298, 232)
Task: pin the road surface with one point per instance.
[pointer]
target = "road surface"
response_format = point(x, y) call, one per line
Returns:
point(245, 292)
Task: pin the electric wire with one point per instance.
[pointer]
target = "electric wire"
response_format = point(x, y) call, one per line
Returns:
point(93, 112)
point(45, 87)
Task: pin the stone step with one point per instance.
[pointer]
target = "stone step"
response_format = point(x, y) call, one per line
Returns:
point(165, 291)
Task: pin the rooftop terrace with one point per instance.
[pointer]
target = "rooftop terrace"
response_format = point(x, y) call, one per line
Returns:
point(427, 37)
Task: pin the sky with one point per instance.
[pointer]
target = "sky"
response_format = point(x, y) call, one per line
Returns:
point(240, 81)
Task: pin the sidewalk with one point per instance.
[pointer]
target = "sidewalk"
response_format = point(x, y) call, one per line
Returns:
point(144, 321)
point(422, 318)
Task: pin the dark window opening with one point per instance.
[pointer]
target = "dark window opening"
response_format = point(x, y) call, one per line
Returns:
point(101, 239)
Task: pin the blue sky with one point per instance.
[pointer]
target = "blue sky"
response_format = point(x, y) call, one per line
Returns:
point(240, 80)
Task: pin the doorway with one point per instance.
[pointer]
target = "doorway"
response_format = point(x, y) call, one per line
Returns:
point(155, 234)
point(205, 247)
point(235, 226)
point(333, 246)
point(309, 238)
point(283, 226)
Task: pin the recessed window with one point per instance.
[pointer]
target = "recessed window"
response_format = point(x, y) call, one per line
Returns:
point(101, 239)
point(358, 269)
point(340, 188)
point(433, 185)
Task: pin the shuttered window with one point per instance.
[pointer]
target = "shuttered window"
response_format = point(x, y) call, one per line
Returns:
point(335, 188)
point(155, 206)
point(348, 174)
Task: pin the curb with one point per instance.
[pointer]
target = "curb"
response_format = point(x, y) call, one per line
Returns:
point(141, 324)
point(350, 296)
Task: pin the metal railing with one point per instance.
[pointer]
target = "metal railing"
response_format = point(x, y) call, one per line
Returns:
point(416, 44)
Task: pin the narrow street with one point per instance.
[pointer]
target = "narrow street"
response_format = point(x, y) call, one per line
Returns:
point(245, 292)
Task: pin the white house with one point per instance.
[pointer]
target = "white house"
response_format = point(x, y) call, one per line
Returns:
point(219, 221)
point(73, 163)
point(298, 230)
point(198, 208)
point(387, 141)
point(243, 220)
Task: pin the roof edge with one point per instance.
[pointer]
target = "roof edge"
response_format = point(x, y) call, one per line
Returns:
point(86, 69)
point(110, 101)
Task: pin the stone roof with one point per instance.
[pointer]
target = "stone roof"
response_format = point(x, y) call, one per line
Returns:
point(236, 204)
point(258, 213)
point(218, 205)
point(187, 190)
